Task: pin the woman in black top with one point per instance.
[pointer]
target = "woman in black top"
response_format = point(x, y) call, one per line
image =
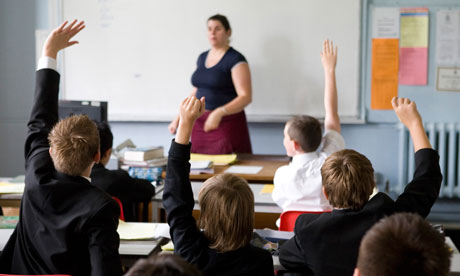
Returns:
point(222, 76)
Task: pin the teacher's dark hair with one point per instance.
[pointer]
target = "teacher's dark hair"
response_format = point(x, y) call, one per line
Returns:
point(222, 19)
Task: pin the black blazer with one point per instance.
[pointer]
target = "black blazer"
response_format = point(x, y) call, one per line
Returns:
point(128, 190)
point(328, 244)
point(66, 225)
point(189, 241)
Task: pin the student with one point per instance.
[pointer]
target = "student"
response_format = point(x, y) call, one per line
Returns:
point(66, 225)
point(118, 183)
point(298, 185)
point(403, 245)
point(227, 211)
point(163, 265)
point(327, 244)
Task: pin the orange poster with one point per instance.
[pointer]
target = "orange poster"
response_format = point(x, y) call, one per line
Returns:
point(384, 79)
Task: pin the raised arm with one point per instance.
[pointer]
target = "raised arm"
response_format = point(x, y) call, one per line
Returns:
point(45, 109)
point(178, 195)
point(406, 110)
point(329, 61)
point(241, 77)
point(421, 193)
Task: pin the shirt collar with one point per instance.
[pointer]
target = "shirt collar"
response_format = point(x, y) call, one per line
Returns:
point(87, 178)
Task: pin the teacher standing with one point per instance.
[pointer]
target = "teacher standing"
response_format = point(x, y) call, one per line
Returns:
point(223, 77)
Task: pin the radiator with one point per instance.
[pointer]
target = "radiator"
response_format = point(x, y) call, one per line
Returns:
point(444, 137)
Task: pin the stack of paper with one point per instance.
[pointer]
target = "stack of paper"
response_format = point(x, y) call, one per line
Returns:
point(217, 159)
point(10, 188)
point(136, 230)
point(199, 167)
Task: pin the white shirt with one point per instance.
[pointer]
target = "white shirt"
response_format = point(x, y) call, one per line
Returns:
point(298, 185)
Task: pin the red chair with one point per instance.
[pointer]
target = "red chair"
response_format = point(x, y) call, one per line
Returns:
point(288, 218)
point(122, 216)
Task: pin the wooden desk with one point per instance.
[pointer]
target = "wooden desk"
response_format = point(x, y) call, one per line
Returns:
point(270, 164)
point(267, 212)
point(10, 200)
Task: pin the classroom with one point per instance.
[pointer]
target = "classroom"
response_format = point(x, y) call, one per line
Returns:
point(283, 58)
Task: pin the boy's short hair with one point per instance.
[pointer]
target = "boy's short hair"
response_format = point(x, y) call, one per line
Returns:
point(74, 142)
point(348, 179)
point(403, 244)
point(163, 265)
point(105, 136)
point(306, 131)
point(227, 212)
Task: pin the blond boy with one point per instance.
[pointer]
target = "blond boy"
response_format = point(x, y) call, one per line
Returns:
point(66, 225)
point(298, 185)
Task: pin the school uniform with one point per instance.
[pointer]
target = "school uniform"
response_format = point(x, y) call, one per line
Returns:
point(66, 225)
point(328, 244)
point(298, 186)
point(189, 242)
point(128, 190)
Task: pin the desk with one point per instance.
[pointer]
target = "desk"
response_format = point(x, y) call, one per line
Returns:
point(269, 163)
point(263, 203)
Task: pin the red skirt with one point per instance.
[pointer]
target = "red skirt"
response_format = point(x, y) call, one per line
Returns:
point(232, 135)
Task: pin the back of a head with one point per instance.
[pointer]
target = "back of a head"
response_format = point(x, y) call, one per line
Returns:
point(306, 131)
point(163, 265)
point(227, 212)
point(105, 135)
point(348, 179)
point(403, 244)
point(74, 142)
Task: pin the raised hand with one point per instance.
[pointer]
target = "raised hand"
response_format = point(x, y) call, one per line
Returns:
point(329, 55)
point(407, 112)
point(190, 109)
point(60, 37)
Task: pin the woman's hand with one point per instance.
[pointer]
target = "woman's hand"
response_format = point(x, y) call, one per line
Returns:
point(213, 120)
point(172, 127)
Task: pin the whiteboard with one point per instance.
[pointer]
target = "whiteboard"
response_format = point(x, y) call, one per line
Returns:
point(139, 55)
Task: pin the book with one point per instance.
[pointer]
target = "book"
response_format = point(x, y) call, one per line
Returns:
point(157, 162)
point(143, 153)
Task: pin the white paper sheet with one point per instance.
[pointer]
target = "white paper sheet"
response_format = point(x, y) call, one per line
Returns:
point(448, 37)
point(244, 169)
point(385, 23)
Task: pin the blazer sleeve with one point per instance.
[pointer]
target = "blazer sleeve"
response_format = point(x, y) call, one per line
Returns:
point(178, 202)
point(103, 241)
point(44, 113)
point(138, 190)
point(421, 193)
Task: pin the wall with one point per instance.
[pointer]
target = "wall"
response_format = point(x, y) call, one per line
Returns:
point(17, 62)
point(378, 141)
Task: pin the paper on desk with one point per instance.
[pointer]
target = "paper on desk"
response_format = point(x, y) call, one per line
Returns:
point(244, 169)
point(217, 159)
point(136, 230)
point(9, 188)
point(168, 247)
point(267, 189)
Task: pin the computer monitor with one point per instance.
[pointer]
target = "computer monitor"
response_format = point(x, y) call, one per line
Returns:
point(94, 109)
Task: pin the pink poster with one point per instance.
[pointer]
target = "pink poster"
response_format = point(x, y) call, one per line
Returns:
point(413, 66)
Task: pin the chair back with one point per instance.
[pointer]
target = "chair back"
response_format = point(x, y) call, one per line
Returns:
point(288, 218)
point(122, 216)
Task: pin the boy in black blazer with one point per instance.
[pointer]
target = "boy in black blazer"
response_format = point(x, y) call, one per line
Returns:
point(66, 225)
point(118, 183)
point(328, 244)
